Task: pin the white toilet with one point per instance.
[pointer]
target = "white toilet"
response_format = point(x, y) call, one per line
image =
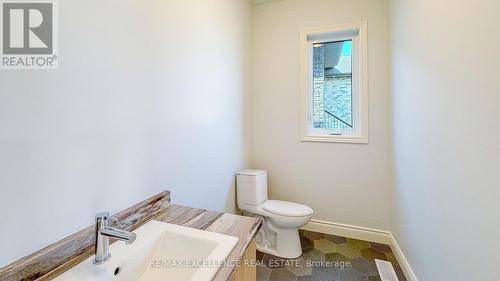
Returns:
point(282, 218)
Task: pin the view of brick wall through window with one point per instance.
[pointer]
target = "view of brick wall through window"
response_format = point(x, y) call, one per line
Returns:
point(332, 79)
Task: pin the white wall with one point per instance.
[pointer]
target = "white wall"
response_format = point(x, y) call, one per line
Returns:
point(149, 95)
point(343, 183)
point(446, 70)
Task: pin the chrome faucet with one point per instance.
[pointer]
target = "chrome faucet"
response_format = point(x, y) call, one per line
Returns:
point(102, 234)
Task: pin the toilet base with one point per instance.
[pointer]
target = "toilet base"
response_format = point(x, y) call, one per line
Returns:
point(287, 244)
point(271, 251)
point(265, 249)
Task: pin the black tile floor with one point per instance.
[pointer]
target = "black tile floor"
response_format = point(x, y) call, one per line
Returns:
point(328, 258)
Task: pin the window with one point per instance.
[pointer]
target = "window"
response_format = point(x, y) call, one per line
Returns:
point(334, 84)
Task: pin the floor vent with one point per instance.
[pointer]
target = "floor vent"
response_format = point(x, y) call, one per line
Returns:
point(386, 271)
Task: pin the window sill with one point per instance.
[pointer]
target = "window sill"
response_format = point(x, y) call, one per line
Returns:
point(337, 139)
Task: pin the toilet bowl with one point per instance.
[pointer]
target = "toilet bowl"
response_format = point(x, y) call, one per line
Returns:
point(281, 218)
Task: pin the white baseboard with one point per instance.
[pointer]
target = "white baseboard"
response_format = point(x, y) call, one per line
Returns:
point(367, 234)
point(403, 262)
point(356, 232)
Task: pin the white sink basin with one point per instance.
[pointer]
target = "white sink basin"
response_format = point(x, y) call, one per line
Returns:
point(162, 251)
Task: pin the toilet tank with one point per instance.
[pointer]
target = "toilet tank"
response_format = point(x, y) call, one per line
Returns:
point(251, 187)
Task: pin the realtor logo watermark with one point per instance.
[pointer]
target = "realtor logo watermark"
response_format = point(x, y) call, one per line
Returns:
point(28, 34)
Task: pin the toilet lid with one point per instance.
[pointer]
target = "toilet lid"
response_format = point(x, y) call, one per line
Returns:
point(288, 209)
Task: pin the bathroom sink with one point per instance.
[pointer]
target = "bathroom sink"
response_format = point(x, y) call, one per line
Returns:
point(162, 251)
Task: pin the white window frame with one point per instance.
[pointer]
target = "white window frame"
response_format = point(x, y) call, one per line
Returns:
point(357, 32)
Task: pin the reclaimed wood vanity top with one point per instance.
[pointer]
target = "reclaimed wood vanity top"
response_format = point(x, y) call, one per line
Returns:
point(54, 259)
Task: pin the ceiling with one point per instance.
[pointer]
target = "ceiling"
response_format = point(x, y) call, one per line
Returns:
point(257, 2)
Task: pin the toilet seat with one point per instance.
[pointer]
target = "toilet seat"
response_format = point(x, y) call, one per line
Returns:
point(287, 209)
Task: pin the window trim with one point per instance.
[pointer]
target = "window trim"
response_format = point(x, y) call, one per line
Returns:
point(353, 31)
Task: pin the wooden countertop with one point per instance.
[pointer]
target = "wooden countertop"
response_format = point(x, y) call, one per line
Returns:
point(57, 258)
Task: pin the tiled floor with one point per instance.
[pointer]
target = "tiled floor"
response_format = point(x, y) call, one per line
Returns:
point(328, 258)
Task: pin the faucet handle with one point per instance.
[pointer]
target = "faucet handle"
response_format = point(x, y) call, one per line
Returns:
point(104, 216)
